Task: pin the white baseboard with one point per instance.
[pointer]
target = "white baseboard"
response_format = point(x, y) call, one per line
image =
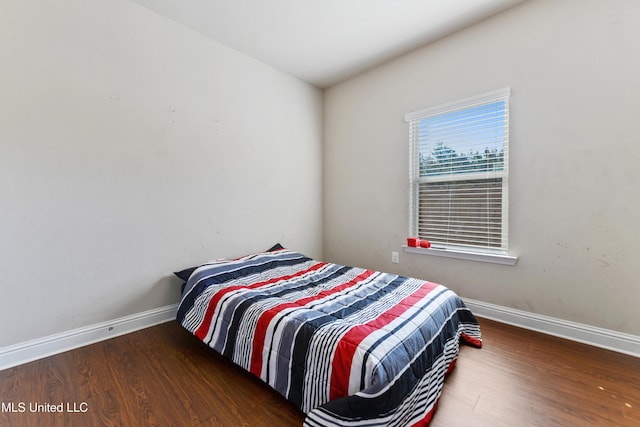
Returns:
point(53, 344)
point(39, 348)
point(604, 338)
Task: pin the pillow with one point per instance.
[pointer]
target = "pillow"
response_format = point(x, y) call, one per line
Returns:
point(186, 273)
point(275, 247)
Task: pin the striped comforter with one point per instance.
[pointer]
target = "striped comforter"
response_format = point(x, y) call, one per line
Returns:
point(348, 346)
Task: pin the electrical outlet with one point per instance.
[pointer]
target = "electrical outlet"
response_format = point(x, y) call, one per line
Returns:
point(395, 257)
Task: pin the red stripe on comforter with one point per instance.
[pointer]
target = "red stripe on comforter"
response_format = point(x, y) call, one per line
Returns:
point(346, 348)
point(266, 318)
point(203, 329)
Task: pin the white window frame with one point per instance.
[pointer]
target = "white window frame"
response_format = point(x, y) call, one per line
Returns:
point(487, 254)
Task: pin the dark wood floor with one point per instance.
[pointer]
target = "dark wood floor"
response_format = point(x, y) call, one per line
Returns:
point(162, 376)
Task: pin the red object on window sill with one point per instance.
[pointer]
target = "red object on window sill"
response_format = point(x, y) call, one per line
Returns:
point(415, 242)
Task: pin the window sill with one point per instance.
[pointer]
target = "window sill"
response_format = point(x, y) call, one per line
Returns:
point(495, 258)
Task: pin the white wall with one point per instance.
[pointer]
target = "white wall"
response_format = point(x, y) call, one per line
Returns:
point(131, 147)
point(573, 69)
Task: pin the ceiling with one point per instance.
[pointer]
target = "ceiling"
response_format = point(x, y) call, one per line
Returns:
point(325, 41)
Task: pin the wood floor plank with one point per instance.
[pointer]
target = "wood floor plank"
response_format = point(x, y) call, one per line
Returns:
point(162, 376)
point(526, 378)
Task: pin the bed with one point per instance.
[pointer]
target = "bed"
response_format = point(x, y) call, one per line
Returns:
point(346, 345)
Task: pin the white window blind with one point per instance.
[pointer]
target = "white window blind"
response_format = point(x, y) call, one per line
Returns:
point(458, 173)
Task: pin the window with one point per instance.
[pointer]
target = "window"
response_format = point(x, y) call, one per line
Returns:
point(459, 174)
